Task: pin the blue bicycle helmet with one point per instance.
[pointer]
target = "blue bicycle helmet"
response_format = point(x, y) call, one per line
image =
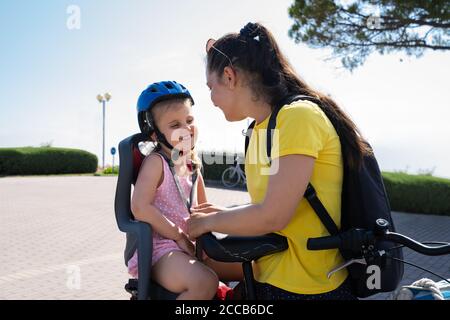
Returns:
point(157, 92)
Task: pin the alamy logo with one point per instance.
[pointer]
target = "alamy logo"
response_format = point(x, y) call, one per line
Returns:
point(74, 19)
point(373, 22)
point(258, 153)
point(374, 280)
point(73, 277)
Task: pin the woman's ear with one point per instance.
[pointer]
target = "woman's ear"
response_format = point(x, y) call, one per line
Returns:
point(229, 77)
point(153, 136)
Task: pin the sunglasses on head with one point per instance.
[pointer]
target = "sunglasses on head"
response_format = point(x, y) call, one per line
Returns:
point(210, 44)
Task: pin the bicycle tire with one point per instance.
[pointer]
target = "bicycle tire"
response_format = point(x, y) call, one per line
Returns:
point(230, 177)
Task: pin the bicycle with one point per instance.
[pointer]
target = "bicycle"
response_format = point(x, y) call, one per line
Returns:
point(362, 242)
point(233, 175)
point(225, 248)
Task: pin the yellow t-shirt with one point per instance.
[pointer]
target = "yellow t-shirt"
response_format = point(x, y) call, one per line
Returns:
point(302, 128)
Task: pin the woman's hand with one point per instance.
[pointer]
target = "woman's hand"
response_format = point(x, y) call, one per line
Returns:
point(200, 220)
point(198, 224)
point(207, 208)
point(185, 244)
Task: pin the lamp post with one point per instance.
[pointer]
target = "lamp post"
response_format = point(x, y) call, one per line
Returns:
point(103, 99)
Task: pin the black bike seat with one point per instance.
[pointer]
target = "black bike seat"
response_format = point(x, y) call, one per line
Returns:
point(228, 248)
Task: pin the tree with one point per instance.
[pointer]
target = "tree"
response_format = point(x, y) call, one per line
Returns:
point(355, 29)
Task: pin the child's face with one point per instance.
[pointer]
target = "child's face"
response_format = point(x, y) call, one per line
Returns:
point(176, 122)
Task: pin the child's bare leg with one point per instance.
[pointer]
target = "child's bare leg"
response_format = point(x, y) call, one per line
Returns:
point(226, 271)
point(181, 273)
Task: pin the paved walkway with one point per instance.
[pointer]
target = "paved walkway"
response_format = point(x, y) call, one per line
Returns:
point(59, 239)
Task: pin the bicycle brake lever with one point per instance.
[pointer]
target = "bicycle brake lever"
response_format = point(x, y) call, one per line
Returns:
point(345, 265)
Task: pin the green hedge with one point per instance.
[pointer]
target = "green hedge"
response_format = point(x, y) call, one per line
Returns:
point(109, 170)
point(418, 193)
point(46, 160)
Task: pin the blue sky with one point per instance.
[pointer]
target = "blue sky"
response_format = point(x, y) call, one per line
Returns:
point(50, 76)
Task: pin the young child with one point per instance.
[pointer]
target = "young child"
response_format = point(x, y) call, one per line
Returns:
point(165, 114)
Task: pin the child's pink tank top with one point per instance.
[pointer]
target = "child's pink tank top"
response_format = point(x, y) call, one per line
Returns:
point(168, 200)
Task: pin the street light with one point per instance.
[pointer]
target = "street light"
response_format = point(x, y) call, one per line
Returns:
point(103, 99)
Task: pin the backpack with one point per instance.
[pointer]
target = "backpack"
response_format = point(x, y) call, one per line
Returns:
point(363, 201)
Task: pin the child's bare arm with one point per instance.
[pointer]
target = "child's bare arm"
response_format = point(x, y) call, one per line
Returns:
point(143, 196)
point(201, 192)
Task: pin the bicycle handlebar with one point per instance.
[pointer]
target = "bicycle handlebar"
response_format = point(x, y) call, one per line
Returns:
point(417, 246)
point(324, 243)
point(355, 239)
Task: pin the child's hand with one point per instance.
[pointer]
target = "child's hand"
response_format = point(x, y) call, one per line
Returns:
point(185, 244)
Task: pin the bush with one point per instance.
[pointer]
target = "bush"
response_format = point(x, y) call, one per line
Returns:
point(418, 193)
point(109, 170)
point(44, 160)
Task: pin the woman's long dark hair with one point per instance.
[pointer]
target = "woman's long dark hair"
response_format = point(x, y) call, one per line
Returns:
point(255, 52)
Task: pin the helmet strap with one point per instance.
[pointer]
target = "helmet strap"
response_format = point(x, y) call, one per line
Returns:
point(161, 138)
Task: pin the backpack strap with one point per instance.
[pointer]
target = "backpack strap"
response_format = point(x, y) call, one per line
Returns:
point(270, 130)
point(322, 213)
point(310, 193)
point(273, 118)
point(271, 126)
point(248, 134)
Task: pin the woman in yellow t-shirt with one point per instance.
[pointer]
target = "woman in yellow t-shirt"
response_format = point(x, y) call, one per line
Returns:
point(248, 76)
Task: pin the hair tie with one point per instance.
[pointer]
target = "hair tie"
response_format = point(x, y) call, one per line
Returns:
point(250, 31)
